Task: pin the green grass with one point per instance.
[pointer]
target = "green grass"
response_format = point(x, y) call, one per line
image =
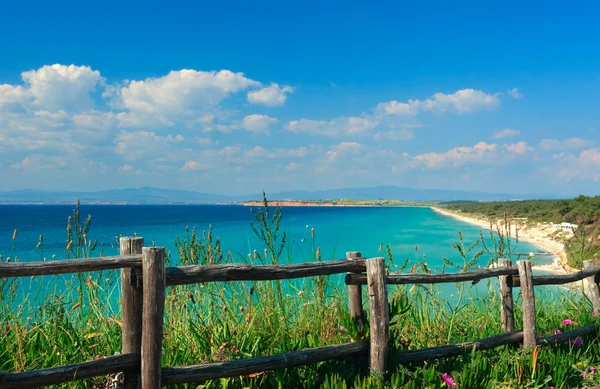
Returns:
point(216, 322)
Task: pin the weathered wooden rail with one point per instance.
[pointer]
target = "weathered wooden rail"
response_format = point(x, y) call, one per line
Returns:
point(144, 279)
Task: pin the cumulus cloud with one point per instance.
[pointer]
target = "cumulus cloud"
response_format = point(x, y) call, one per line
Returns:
point(505, 133)
point(514, 93)
point(481, 153)
point(272, 96)
point(585, 166)
point(566, 144)
point(190, 166)
point(354, 125)
point(134, 145)
point(258, 123)
point(462, 102)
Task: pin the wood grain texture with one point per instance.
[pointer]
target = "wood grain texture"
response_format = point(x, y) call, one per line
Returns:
point(78, 371)
point(199, 373)
point(239, 272)
point(528, 297)
point(355, 302)
point(379, 319)
point(507, 316)
point(26, 269)
point(131, 307)
point(593, 291)
point(153, 270)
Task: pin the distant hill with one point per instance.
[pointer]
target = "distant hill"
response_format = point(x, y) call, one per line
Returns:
point(149, 195)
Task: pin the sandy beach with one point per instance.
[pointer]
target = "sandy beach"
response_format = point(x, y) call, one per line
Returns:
point(546, 245)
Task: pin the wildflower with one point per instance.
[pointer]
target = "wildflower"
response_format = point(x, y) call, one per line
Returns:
point(594, 313)
point(557, 332)
point(342, 328)
point(448, 380)
point(584, 374)
point(576, 342)
point(539, 336)
point(592, 370)
point(567, 322)
point(15, 234)
point(480, 327)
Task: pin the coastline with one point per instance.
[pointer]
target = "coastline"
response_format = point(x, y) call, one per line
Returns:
point(554, 248)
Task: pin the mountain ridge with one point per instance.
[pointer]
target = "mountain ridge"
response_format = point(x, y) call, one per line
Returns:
point(150, 195)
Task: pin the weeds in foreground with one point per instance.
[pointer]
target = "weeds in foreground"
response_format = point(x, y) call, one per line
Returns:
point(216, 322)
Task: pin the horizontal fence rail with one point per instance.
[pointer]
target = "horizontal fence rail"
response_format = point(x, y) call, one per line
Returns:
point(241, 367)
point(144, 279)
point(41, 268)
point(79, 371)
point(417, 278)
point(182, 275)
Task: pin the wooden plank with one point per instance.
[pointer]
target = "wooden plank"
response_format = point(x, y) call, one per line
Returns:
point(239, 272)
point(153, 271)
point(78, 371)
point(457, 349)
point(379, 319)
point(199, 373)
point(355, 295)
point(453, 350)
point(528, 297)
point(593, 291)
point(401, 279)
point(507, 316)
point(559, 279)
point(26, 269)
point(131, 307)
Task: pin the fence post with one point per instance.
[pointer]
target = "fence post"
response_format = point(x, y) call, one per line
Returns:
point(507, 316)
point(131, 308)
point(528, 296)
point(355, 296)
point(593, 289)
point(153, 275)
point(380, 315)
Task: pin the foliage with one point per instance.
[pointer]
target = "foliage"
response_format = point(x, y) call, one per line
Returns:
point(215, 322)
point(583, 211)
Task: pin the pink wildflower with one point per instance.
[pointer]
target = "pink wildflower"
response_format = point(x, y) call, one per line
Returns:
point(567, 322)
point(557, 332)
point(594, 313)
point(576, 342)
point(592, 370)
point(342, 328)
point(539, 336)
point(448, 380)
point(584, 374)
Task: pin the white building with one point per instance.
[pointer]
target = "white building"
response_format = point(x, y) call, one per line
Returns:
point(568, 226)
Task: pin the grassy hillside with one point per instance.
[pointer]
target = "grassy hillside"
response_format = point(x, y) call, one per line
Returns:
point(583, 211)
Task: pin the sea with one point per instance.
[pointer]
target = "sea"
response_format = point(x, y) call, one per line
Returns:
point(414, 233)
point(418, 234)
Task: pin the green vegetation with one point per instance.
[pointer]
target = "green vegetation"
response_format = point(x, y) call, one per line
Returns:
point(583, 211)
point(220, 321)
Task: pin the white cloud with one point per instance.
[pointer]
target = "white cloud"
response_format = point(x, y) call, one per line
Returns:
point(341, 149)
point(13, 94)
point(514, 93)
point(481, 153)
point(566, 144)
point(586, 166)
point(272, 96)
point(354, 125)
point(190, 166)
point(505, 133)
point(258, 123)
point(125, 168)
point(462, 102)
point(518, 148)
point(58, 87)
point(180, 95)
point(134, 145)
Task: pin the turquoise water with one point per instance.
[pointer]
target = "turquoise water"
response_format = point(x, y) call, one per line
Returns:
point(337, 230)
point(414, 233)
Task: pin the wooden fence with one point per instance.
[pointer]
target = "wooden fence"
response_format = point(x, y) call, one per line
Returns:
point(144, 278)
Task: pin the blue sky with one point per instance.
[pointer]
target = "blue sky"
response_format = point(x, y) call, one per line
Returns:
point(241, 96)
